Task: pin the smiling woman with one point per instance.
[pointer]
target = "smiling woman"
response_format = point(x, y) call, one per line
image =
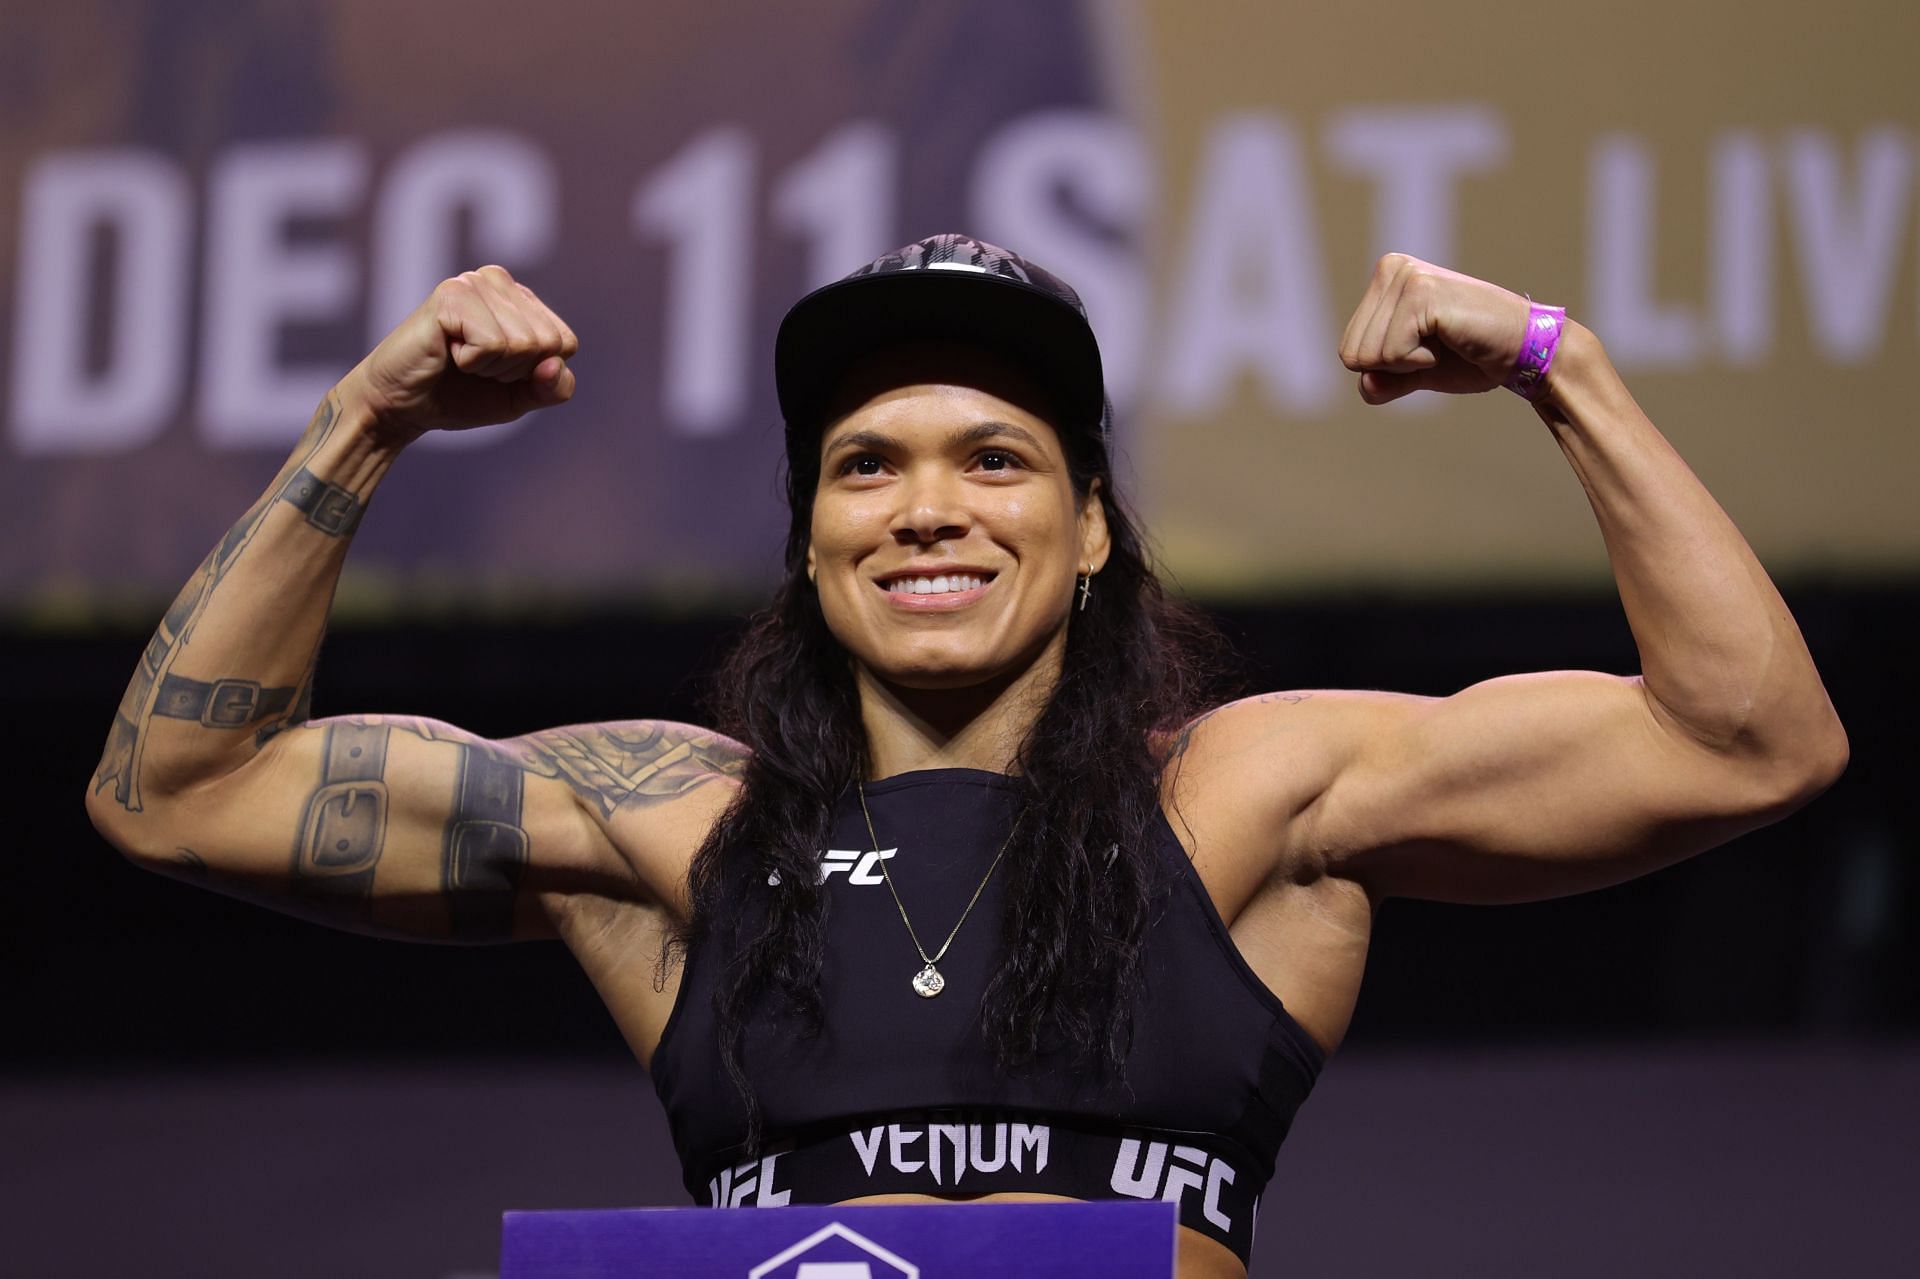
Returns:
point(939, 473)
point(970, 657)
point(1095, 935)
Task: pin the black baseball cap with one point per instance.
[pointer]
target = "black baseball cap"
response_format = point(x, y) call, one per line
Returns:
point(945, 288)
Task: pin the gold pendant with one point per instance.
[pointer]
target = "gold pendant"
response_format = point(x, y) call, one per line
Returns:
point(928, 982)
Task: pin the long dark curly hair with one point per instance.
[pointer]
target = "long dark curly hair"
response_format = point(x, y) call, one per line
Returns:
point(1080, 876)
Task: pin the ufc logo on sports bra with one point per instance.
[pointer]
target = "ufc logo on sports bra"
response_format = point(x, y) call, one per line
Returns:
point(748, 1185)
point(1152, 1175)
point(860, 867)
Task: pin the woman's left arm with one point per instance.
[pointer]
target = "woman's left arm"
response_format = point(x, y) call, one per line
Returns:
point(1539, 785)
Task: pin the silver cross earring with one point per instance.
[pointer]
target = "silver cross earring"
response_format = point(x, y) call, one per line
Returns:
point(1086, 589)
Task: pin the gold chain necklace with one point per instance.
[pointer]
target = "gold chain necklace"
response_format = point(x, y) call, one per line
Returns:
point(928, 982)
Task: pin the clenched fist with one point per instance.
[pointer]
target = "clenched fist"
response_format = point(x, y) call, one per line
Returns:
point(1422, 327)
point(481, 349)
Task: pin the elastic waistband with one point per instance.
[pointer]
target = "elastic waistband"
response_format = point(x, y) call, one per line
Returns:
point(1213, 1182)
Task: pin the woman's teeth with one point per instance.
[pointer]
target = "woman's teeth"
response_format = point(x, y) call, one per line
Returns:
point(936, 585)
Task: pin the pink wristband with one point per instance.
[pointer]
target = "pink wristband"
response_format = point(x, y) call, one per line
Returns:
point(1544, 326)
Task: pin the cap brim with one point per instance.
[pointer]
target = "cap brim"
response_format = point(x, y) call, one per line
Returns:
point(832, 327)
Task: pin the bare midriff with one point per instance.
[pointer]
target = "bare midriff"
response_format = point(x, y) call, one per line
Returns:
point(1195, 1257)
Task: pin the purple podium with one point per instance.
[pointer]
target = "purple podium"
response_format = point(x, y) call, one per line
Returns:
point(1107, 1240)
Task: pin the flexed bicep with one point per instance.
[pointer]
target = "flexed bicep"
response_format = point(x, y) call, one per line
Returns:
point(1531, 786)
point(392, 825)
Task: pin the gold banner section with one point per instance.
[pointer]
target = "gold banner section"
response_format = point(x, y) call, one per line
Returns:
point(1725, 194)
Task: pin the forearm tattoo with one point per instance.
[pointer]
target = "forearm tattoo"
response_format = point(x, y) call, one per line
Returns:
point(297, 714)
point(117, 762)
point(224, 703)
point(119, 767)
point(328, 507)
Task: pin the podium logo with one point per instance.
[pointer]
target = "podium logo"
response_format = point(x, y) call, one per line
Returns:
point(835, 1252)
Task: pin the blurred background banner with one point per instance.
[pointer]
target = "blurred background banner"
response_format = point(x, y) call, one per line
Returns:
point(209, 211)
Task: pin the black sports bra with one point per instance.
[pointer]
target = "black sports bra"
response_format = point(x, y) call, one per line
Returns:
point(897, 1094)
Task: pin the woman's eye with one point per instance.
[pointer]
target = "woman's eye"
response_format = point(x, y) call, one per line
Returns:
point(994, 460)
point(868, 466)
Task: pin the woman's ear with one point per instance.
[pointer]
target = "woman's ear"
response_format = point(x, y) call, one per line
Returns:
point(1094, 541)
point(810, 563)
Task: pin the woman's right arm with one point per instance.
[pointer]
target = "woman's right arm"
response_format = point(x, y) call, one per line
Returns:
point(382, 824)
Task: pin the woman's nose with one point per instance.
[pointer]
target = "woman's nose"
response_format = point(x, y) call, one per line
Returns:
point(932, 507)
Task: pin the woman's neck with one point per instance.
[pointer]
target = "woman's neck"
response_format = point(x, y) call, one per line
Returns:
point(977, 726)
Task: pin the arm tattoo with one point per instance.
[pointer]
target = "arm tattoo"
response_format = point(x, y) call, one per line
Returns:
point(1184, 737)
point(118, 766)
point(642, 763)
point(484, 848)
point(344, 827)
point(299, 713)
point(639, 762)
point(328, 507)
point(120, 763)
point(224, 703)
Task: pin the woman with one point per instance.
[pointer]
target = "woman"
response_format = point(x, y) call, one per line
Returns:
point(981, 901)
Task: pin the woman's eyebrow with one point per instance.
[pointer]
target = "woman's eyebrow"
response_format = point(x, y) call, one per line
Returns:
point(975, 434)
point(990, 430)
point(864, 440)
